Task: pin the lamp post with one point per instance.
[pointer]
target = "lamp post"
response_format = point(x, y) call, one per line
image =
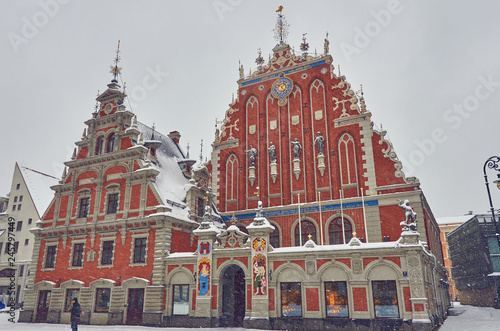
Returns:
point(492, 163)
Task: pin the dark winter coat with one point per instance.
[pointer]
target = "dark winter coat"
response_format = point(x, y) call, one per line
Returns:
point(75, 311)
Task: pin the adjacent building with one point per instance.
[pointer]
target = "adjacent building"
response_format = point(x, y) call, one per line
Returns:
point(475, 256)
point(446, 225)
point(29, 196)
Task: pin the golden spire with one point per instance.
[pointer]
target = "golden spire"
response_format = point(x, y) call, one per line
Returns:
point(115, 70)
point(281, 28)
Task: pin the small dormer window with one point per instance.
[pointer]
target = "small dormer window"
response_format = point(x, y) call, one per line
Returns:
point(111, 143)
point(98, 146)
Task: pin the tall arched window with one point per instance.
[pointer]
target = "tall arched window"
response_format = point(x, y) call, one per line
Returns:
point(98, 145)
point(274, 237)
point(308, 228)
point(111, 143)
point(335, 231)
point(347, 159)
point(232, 178)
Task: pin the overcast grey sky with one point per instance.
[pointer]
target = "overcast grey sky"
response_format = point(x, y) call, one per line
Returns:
point(430, 72)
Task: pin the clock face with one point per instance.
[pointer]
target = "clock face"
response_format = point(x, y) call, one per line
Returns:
point(281, 88)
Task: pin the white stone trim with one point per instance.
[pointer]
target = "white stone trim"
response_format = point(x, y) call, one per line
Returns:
point(47, 245)
point(73, 242)
point(132, 248)
point(102, 239)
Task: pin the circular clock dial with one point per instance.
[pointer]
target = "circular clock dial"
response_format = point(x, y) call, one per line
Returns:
point(282, 87)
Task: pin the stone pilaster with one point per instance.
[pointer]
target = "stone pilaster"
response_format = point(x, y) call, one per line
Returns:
point(259, 232)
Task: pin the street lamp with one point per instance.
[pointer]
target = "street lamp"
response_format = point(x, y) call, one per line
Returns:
point(492, 163)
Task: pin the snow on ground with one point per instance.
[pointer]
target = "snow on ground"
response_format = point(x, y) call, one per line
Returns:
point(6, 325)
point(468, 318)
point(463, 318)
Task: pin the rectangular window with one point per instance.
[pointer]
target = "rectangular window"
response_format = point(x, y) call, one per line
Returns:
point(30, 220)
point(84, 207)
point(26, 242)
point(181, 300)
point(19, 226)
point(336, 299)
point(18, 186)
point(199, 207)
point(112, 203)
point(15, 199)
point(51, 257)
point(291, 299)
point(19, 207)
point(7, 246)
point(16, 247)
point(140, 250)
point(1, 246)
point(107, 253)
point(71, 293)
point(13, 207)
point(385, 298)
point(77, 255)
point(102, 300)
point(20, 198)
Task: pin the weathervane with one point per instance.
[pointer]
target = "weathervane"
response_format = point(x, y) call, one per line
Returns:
point(115, 70)
point(281, 28)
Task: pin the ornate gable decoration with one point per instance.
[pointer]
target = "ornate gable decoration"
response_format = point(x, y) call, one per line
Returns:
point(391, 154)
point(232, 237)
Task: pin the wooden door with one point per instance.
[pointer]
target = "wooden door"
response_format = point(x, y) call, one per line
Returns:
point(135, 306)
point(43, 306)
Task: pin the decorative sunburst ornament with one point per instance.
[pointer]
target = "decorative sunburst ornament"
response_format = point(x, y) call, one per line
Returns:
point(259, 60)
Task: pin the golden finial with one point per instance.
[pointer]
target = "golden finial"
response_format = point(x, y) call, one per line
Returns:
point(115, 70)
point(279, 9)
point(339, 70)
point(354, 234)
point(257, 192)
point(309, 236)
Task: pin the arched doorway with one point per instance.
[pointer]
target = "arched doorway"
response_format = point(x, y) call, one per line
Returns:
point(233, 296)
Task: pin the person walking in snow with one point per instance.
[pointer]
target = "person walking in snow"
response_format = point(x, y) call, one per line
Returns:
point(75, 311)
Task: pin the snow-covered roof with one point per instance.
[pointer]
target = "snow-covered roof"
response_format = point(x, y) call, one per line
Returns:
point(454, 219)
point(38, 185)
point(171, 184)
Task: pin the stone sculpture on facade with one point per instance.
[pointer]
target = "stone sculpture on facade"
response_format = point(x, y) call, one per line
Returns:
point(410, 222)
point(252, 154)
point(296, 147)
point(320, 145)
point(274, 164)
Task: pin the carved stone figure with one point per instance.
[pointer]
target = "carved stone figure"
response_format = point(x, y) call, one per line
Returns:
point(272, 153)
point(252, 154)
point(320, 143)
point(327, 45)
point(242, 74)
point(297, 147)
point(410, 222)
